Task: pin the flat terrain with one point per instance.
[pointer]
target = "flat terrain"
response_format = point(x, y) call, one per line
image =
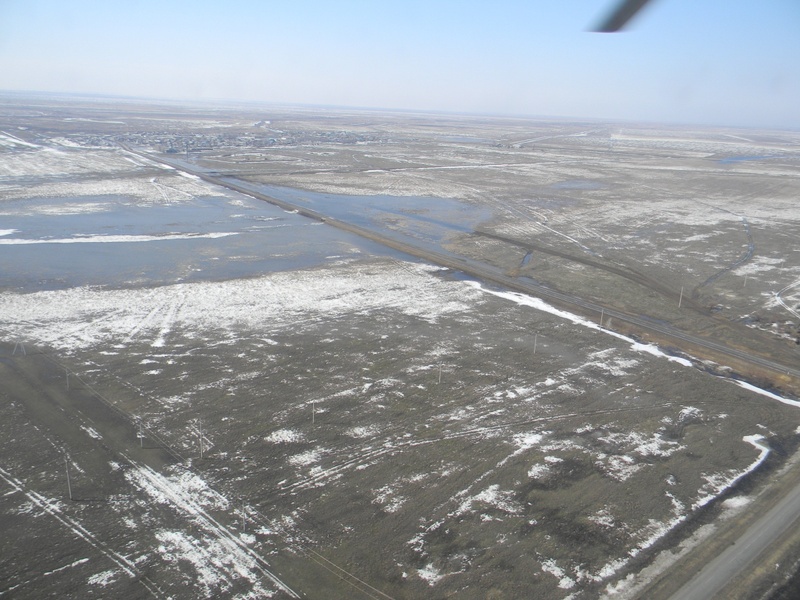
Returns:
point(252, 403)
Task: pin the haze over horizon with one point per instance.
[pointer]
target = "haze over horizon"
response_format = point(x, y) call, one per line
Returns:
point(719, 63)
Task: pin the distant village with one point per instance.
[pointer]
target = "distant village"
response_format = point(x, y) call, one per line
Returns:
point(175, 143)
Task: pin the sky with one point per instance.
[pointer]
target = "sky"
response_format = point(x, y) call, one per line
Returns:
point(717, 62)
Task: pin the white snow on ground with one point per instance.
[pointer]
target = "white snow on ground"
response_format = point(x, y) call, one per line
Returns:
point(185, 489)
point(604, 518)
point(641, 444)
point(619, 467)
point(11, 141)
point(523, 442)
point(430, 574)
point(94, 239)
point(58, 209)
point(217, 555)
point(306, 458)
point(758, 264)
point(87, 317)
point(539, 304)
point(766, 393)
point(492, 496)
point(717, 483)
point(66, 142)
point(8, 231)
point(361, 432)
point(654, 530)
point(52, 162)
point(92, 432)
point(387, 498)
point(58, 174)
point(614, 365)
point(538, 471)
point(215, 567)
point(75, 563)
point(284, 436)
point(103, 579)
point(737, 502)
point(564, 581)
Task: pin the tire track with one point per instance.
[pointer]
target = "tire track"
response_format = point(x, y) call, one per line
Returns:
point(745, 258)
point(782, 303)
point(49, 507)
point(162, 488)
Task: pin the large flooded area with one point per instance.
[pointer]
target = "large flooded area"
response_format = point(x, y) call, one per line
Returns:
point(56, 243)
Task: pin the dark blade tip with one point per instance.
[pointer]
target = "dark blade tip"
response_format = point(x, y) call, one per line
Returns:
point(620, 17)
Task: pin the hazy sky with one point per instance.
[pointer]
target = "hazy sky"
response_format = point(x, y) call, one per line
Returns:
point(733, 62)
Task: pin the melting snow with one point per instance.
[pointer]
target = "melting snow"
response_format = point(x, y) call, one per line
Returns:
point(284, 436)
point(564, 582)
point(87, 316)
point(93, 239)
point(493, 496)
point(758, 390)
point(305, 458)
point(430, 574)
point(540, 304)
point(103, 579)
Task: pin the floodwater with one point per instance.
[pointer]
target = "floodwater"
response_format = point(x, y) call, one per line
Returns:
point(207, 238)
point(116, 241)
point(735, 159)
point(429, 222)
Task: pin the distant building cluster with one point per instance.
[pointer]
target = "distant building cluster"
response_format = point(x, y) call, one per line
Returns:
point(176, 143)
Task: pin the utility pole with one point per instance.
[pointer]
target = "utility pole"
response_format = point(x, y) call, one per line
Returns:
point(680, 300)
point(602, 314)
point(440, 372)
point(69, 483)
point(535, 335)
point(200, 432)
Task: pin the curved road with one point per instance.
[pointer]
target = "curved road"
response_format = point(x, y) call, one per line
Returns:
point(715, 575)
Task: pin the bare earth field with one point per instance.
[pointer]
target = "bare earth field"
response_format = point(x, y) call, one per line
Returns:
point(205, 395)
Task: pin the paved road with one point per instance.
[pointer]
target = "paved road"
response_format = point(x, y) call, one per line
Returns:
point(484, 271)
point(753, 542)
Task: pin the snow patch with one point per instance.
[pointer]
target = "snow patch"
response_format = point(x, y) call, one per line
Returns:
point(116, 239)
point(284, 436)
